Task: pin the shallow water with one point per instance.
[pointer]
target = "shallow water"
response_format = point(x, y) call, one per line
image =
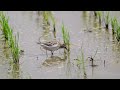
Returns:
point(84, 32)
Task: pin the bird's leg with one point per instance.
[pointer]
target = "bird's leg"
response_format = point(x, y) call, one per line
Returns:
point(51, 53)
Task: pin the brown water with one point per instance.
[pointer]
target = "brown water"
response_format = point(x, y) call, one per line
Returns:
point(84, 32)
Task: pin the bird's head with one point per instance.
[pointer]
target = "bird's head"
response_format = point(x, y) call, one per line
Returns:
point(63, 46)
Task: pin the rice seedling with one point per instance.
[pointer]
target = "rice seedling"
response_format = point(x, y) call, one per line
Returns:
point(81, 62)
point(46, 17)
point(99, 15)
point(4, 25)
point(54, 23)
point(95, 13)
point(84, 13)
point(53, 20)
point(13, 44)
point(66, 37)
point(115, 28)
point(118, 33)
point(107, 20)
point(10, 39)
point(15, 50)
point(114, 24)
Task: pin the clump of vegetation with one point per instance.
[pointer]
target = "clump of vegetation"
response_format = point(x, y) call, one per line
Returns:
point(81, 62)
point(47, 16)
point(118, 33)
point(4, 26)
point(15, 49)
point(9, 38)
point(95, 13)
point(99, 15)
point(115, 28)
point(53, 20)
point(107, 20)
point(66, 37)
point(114, 24)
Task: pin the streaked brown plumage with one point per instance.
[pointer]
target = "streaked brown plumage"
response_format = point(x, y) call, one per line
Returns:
point(52, 45)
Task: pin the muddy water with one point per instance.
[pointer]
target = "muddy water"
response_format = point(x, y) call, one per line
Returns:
point(84, 32)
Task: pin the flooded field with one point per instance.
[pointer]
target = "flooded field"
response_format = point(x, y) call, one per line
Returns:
point(94, 52)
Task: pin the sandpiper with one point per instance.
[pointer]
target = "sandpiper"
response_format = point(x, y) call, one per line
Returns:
point(52, 45)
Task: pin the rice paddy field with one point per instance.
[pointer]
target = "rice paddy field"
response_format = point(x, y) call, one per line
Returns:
point(91, 38)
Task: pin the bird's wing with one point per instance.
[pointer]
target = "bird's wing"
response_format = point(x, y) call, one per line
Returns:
point(50, 43)
point(47, 44)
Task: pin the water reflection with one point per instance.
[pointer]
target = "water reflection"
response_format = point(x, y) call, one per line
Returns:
point(14, 71)
point(6, 50)
point(68, 65)
point(53, 61)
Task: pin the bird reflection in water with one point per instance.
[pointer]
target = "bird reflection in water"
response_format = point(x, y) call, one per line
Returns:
point(53, 61)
